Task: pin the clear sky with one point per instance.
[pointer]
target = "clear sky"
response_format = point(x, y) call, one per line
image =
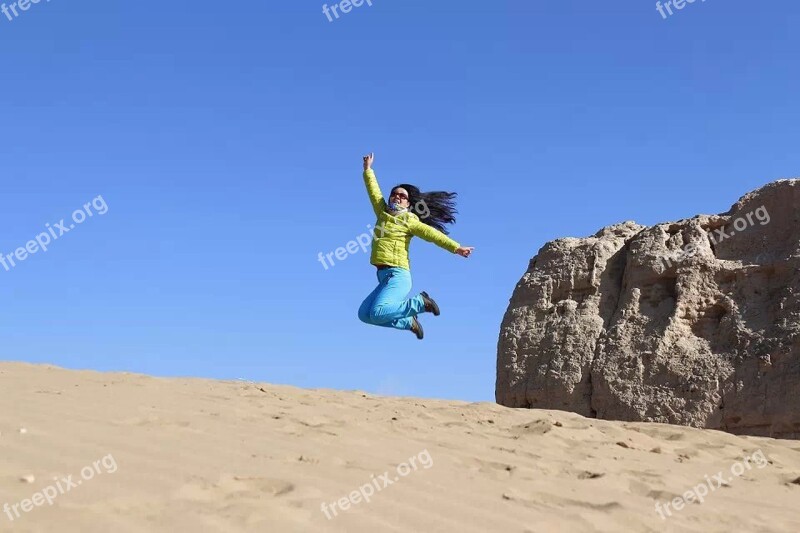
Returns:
point(226, 139)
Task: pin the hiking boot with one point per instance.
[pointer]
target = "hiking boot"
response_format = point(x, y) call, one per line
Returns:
point(430, 305)
point(416, 328)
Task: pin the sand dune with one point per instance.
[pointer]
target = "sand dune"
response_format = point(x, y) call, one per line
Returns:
point(150, 454)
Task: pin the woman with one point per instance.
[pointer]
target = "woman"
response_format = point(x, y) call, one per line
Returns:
point(408, 213)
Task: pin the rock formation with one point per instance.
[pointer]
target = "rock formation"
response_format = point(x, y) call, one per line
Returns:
point(695, 322)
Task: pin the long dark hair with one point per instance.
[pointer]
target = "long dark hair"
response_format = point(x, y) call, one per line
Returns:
point(435, 208)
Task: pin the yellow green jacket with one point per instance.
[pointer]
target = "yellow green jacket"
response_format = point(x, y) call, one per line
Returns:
point(392, 234)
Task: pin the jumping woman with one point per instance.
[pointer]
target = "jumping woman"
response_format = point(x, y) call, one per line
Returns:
point(408, 213)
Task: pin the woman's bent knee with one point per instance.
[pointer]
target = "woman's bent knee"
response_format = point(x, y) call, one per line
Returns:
point(364, 315)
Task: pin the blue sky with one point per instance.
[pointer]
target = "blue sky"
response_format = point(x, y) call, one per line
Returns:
point(226, 140)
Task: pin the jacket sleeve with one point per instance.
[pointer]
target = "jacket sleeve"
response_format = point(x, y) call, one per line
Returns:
point(374, 192)
point(427, 233)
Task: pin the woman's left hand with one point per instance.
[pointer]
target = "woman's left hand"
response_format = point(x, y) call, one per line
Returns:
point(465, 251)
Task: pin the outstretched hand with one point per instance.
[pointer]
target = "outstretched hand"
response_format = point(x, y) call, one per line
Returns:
point(465, 251)
point(368, 159)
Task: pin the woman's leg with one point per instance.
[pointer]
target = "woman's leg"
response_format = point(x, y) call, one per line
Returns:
point(389, 306)
point(365, 310)
point(366, 305)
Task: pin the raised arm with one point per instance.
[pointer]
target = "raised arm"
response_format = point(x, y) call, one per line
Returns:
point(373, 189)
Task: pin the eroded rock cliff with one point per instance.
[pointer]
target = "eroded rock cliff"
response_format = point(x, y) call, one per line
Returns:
point(694, 322)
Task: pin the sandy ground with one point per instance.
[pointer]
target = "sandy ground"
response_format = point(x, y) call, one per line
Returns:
point(124, 452)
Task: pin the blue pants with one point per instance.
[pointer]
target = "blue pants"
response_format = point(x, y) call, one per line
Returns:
point(387, 305)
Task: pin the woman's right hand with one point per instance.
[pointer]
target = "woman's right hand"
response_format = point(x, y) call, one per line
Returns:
point(368, 159)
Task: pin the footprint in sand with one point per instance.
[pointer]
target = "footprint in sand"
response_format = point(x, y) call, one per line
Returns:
point(496, 469)
point(537, 427)
point(153, 420)
point(234, 488)
point(541, 500)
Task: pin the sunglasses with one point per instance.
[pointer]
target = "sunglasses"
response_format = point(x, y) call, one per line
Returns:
point(399, 195)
